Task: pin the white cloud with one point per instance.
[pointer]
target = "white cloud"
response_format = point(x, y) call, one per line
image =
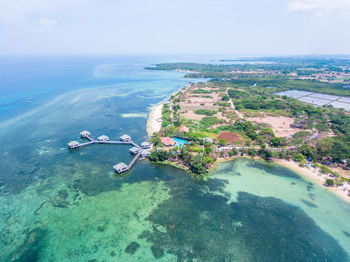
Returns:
point(21, 10)
point(47, 22)
point(319, 7)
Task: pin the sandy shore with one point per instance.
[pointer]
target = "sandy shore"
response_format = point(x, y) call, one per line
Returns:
point(154, 122)
point(314, 175)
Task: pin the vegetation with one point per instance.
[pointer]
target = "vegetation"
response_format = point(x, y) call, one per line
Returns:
point(205, 112)
point(324, 135)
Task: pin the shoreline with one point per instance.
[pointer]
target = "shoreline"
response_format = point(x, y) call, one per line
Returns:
point(154, 121)
point(154, 124)
point(313, 176)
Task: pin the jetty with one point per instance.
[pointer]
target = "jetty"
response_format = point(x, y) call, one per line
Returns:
point(139, 151)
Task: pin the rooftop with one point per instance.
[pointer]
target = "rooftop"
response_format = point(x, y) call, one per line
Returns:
point(134, 150)
point(120, 166)
point(167, 141)
point(103, 138)
point(85, 133)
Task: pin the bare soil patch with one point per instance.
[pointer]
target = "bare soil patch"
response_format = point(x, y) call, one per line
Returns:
point(280, 124)
point(230, 137)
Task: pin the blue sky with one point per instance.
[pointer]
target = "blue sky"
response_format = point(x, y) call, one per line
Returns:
point(237, 27)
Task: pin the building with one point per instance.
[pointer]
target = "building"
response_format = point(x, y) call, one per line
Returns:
point(85, 133)
point(184, 129)
point(103, 138)
point(73, 144)
point(145, 145)
point(167, 141)
point(125, 138)
point(120, 168)
point(145, 152)
point(208, 140)
point(134, 150)
point(302, 124)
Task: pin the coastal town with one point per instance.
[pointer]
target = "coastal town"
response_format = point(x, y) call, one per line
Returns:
point(214, 121)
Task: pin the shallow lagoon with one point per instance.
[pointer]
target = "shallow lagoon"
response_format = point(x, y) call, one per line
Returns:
point(57, 205)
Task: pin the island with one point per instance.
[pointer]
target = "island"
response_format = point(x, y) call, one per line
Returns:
point(293, 112)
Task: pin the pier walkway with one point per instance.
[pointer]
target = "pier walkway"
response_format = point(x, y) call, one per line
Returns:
point(119, 168)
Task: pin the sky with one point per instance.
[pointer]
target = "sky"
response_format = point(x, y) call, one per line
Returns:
point(237, 27)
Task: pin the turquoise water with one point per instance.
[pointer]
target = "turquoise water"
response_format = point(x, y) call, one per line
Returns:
point(57, 205)
point(180, 142)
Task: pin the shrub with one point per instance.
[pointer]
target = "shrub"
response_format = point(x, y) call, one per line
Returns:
point(233, 152)
point(205, 112)
point(252, 152)
point(222, 141)
point(225, 98)
point(299, 157)
point(329, 182)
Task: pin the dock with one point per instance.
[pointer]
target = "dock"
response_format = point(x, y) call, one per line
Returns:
point(103, 139)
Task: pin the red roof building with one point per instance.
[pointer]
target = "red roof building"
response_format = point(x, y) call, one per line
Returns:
point(184, 129)
point(167, 141)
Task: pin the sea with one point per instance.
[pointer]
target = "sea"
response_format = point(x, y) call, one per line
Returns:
point(62, 205)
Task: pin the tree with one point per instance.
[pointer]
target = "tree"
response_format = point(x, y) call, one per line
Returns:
point(306, 150)
point(252, 152)
point(329, 182)
point(266, 154)
point(197, 165)
point(222, 141)
point(225, 98)
point(299, 157)
point(233, 152)
point(276, 141)
point(156, 156)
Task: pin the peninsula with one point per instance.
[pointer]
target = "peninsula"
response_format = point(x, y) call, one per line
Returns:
point(257, 111)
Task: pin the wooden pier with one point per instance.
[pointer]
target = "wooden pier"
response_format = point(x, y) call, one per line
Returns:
point(125, 140)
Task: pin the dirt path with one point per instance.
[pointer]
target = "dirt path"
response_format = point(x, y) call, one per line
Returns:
point(234, 108)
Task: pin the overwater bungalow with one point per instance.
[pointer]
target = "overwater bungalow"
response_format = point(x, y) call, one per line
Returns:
point(73, 144)
point(134, 150)
point(145, 145)
point(125, 138)
point(120, 168)
point(85, 133)
point(103, 138)
point(145, 152)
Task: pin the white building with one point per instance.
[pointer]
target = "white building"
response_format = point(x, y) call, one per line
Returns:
point(73, 144)
point(103, 138)
point(145, 152)
point(85, 133)
point(125, 138)
point(145, 145)
point(134, 150)
point(120, 168)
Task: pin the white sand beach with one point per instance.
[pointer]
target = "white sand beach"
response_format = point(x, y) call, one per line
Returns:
point(154, 122)
point(316, 176)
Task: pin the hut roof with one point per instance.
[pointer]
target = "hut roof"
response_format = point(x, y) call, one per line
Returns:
point(167, 141)
point(134, 150)
point(85, 133)
point(73, 143)
point(145, 144)
point(103, 138)
point(208, 139)
point(120, 166)
point(184, 129)
point(145, 152)
point(125, 137)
